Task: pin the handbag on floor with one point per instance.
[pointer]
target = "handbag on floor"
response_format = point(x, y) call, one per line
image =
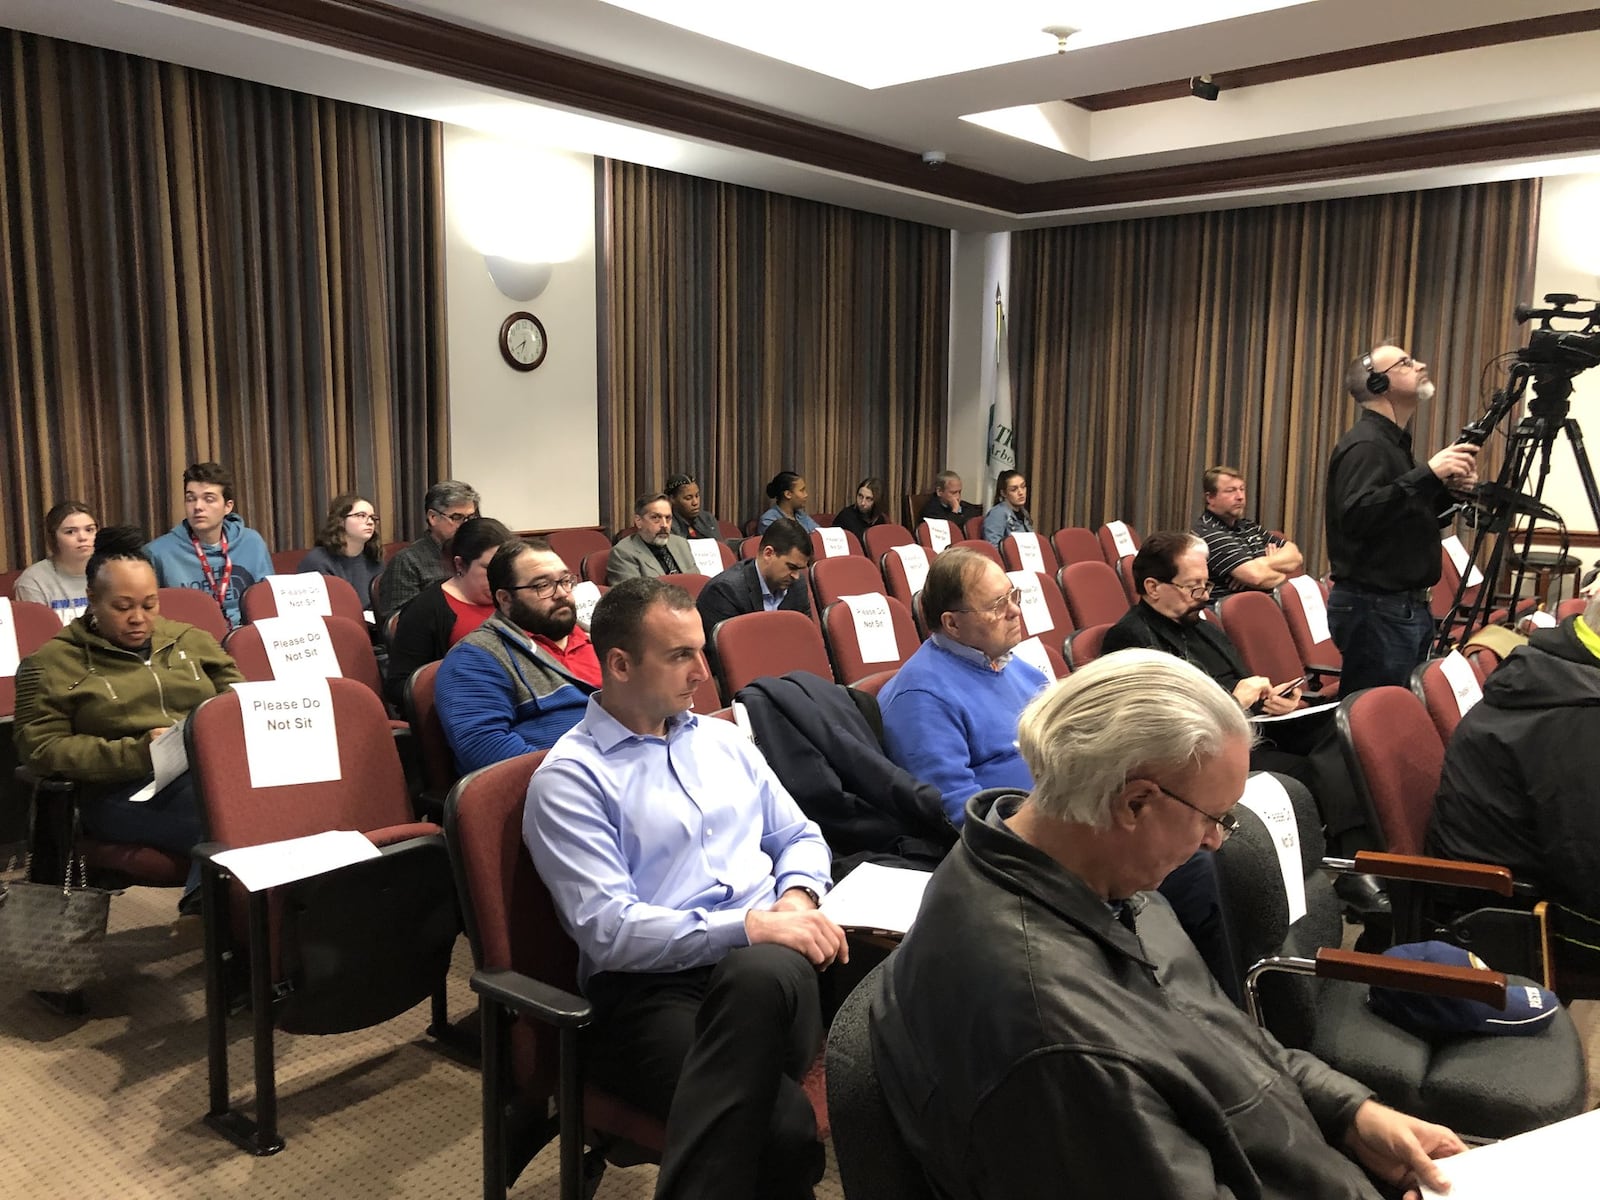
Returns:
point(52, 935)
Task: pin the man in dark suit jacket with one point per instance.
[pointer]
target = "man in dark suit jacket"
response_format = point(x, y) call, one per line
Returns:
point(773, 579)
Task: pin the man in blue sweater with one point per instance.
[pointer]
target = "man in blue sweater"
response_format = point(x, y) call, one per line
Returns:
point(950, 714)
point(211, 549)
point(522, 678)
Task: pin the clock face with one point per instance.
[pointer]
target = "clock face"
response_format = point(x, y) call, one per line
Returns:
point(522, 341)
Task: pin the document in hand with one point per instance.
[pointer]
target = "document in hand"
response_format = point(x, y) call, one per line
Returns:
point(1536, 1159)
point(875, 898)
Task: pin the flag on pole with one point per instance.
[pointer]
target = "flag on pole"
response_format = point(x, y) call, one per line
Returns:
point(1002, 455)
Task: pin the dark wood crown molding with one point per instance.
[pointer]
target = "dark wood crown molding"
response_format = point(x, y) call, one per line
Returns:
point(380, 31)
point(1506, 33)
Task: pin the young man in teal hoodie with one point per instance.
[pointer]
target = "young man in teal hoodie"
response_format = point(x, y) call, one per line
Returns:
point(211, 549)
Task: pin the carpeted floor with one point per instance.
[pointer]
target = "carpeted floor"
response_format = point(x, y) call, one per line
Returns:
point(110, 1105)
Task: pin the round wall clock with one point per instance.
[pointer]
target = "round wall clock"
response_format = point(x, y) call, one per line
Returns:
point(522, 341)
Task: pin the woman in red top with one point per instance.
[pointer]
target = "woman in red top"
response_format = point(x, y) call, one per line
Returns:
point(443, 613)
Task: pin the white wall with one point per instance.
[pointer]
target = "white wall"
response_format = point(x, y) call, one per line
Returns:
point(1569, 261)
point(528, 441)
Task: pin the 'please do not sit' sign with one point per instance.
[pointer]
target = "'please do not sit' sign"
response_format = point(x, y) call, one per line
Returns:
point(289, 732)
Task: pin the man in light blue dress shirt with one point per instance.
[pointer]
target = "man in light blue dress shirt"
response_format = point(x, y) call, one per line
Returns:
point(689, 879)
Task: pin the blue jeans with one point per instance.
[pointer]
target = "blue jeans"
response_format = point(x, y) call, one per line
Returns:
point(169, 820)
point(1381, 636)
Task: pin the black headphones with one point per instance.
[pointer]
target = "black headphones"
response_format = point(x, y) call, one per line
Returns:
point(1377, 381)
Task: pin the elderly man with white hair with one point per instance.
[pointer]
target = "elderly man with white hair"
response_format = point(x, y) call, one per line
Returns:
point(1046, 1028)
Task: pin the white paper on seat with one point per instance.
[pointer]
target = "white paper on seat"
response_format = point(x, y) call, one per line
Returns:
point(1031, 651)
point(169, 758)
point(915, 560)
point(834, 542)
point(707, 555)
point(1028, 553)
point(289, 733)
point(272, 864)
point(1121, 538)
point(9, 657)
point(1265, 796)
point(880, 899)
point(1311, 603)
point(1463, 681)
point(1535, 1161)
point(585, 596)
point(1035, 612)
point(298, 647)
point(874, 627)
point(1458, 555)
point(938, 533)
point(305, 594)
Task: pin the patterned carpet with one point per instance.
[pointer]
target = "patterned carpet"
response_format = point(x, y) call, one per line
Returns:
point(110, 1105)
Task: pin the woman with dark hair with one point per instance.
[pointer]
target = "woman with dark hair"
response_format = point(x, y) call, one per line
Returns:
point(348, 545)
point(58, 580)
point(787, 491)
point(1010, 512)
point(448, 609)
point(92, 699)
point(866, 512)
point(688, 519)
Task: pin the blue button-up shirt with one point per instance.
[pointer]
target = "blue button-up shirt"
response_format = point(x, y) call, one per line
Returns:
point(770, 600)
point(655, 848)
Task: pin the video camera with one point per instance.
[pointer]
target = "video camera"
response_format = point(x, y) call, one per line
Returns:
point(1551, 355)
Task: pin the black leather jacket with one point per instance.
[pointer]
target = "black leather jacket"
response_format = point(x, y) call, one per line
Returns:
point(1030, 1044)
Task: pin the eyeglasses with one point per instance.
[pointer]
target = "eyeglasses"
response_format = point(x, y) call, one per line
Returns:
point(996, 607)
point(1403, 362)
point(543, 589)
point(373, 517)
point(1227, 824)
point(1195, 591)
point(453, 518)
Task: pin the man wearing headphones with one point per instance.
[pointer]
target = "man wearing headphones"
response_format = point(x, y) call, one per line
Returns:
point(1383, 517)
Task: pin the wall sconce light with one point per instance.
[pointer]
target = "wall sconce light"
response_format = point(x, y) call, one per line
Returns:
point(518, 280)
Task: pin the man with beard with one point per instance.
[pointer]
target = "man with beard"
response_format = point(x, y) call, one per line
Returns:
point(1383, 516)
point(652, 550)
point(522, 678)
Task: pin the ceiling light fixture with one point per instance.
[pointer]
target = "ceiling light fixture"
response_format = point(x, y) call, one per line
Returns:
point(1201, 85)
point(1061, 33)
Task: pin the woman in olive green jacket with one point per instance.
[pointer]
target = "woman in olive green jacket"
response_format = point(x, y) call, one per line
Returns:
point(92, 699)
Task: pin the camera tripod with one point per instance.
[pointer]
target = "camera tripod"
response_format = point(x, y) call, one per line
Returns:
point(1499, 504)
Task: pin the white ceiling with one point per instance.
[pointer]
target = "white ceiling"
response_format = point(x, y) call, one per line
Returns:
point(1522, 79)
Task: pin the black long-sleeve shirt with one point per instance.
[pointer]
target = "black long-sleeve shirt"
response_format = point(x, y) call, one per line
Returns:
point(1382, 509)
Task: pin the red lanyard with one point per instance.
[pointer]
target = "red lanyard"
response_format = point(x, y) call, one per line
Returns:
point(219, 593)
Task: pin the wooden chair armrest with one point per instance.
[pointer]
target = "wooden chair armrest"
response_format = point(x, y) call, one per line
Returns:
point(1434, 979)
point(1483, 876)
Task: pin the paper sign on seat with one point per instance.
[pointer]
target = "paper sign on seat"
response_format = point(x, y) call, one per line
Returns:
point(915, 560)
point(874, 627)
point(1121, 538)
point(1311, 603)
point(873, 897)
point(585, 596)
point(1035, 612)
point(1265, 796)
point(1463, 680)
point(301, 595)
point(9, 657)
point(1031, 651)
point(938, 533)
point(272, 864)
point(298, 647)
point(707, 555)
point(1028, 553)
point(289, 733)
point(1458, 555)
point(834, 542)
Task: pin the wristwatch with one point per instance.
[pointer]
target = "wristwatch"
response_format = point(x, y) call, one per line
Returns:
point(812, 892)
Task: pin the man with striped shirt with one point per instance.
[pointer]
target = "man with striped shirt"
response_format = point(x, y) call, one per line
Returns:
point(1242, 555)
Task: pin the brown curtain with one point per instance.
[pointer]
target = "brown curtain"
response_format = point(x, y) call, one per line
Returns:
point(744, 333)
point(1146, 351)
point(195, 267)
